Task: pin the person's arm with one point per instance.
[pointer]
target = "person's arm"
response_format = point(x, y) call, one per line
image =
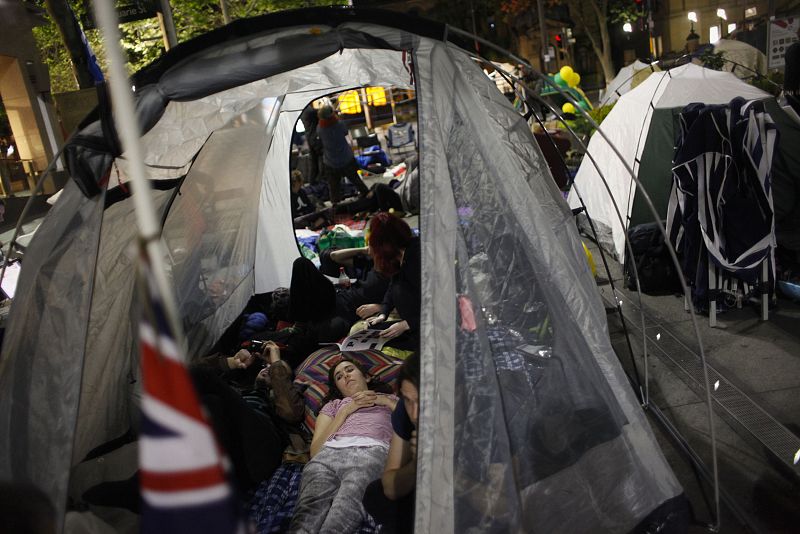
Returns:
point(388, 301)
point(385, 399)
point(365, 311)
point(345, 256)
point(241, 360)
point(400, 474)
point(288, 400)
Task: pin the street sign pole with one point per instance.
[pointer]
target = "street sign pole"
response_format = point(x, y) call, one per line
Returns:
point(167, 25)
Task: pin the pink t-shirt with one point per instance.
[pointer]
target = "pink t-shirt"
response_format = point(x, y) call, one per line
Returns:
point(374, 422)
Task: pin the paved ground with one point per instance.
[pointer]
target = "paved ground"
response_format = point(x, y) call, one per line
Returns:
point(758, 365)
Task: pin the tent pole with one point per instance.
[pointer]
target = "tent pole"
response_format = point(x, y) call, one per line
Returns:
point(365, 107)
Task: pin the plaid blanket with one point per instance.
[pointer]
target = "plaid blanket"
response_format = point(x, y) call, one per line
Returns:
point(272, 505)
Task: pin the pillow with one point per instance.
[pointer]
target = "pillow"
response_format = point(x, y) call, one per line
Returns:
point(312, 375)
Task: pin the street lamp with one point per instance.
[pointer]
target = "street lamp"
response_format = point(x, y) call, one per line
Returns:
point(692, 16)
point(627, 28)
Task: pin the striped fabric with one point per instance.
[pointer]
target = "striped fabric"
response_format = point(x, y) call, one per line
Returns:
point(721, 201)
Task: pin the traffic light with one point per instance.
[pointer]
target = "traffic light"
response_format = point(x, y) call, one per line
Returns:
point(560, 40)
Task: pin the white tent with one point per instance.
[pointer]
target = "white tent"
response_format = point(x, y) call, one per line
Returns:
point(621, 83)
point(528, 423)
point(750, 57)
point(641, 127)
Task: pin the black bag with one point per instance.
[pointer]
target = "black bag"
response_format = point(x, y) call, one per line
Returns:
point(657, 273)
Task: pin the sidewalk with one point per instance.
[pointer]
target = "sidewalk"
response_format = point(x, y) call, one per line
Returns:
point(757, 402)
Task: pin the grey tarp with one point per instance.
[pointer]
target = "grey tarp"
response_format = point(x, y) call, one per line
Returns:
point(527, 422)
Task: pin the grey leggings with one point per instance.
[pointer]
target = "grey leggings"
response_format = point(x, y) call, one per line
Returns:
point(332, 488)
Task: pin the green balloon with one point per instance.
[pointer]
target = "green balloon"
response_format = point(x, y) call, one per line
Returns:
point(583, 104)
point(559, 80)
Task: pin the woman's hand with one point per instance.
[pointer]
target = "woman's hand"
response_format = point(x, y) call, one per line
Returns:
point(395, 330)
point(271, 352)
point(368, 310)
point(263, 377)
point(382, 399)
point(241, 360)
point(362, 399)
point(378, 319)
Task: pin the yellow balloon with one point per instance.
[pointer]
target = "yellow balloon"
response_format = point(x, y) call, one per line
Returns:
point(566, 71)
point(568, 108)
point(574, 80)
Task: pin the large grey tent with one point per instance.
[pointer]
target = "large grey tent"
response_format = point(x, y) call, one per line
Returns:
point(528, 423)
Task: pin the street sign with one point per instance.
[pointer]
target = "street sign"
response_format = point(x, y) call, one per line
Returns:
point(782, 33)
point(129, 11)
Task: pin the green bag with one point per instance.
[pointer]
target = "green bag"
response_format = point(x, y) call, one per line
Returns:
point(339, 238)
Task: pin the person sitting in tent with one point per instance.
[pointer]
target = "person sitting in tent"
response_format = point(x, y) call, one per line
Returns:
point(301, 204)
point(348, 451)
point(402, 195)
point(390, 499)
point(337, 155)
point(326, 310)
point(396, 253)
point(255, 410)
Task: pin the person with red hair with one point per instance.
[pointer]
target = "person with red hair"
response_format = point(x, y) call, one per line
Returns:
point(396, 253)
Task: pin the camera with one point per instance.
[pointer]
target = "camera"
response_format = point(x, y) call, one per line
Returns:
point(254, 345)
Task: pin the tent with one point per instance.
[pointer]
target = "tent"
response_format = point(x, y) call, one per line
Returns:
point(528, 423)
point(642, 127)
point(751, 58)
point(622, 82)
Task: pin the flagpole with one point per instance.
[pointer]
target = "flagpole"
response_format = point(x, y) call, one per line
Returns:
point(127, 125)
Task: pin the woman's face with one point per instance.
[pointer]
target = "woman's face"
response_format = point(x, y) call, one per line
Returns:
point(349, 379)
point(411, 400)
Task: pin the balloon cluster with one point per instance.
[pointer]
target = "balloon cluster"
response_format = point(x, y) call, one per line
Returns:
point(567, 77)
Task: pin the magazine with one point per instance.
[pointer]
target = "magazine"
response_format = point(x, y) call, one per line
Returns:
point(362, 340)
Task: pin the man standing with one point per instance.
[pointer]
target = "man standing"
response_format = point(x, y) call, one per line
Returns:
point(337, 156)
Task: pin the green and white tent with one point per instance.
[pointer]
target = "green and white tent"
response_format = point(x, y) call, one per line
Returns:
point(642, 127)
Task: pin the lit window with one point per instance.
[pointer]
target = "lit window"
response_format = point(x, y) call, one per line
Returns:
point(731, 27)
point(750, 12)
point(713, 34)
point(349, 102)
point(376, 96)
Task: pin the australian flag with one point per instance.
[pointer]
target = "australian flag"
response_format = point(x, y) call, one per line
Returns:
point(182, 468)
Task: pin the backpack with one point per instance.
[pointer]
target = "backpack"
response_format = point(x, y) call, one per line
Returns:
point(657, 274)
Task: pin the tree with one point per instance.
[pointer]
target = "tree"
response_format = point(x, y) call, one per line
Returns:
point(591, 18)
point(61, 49)
point(64, 19)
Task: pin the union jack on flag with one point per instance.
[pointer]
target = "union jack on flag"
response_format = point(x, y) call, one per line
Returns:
point(182, 468)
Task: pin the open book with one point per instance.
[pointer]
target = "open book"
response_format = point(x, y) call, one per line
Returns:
point(363, 340)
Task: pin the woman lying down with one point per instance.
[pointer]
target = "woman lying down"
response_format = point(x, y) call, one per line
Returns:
point(348, 450)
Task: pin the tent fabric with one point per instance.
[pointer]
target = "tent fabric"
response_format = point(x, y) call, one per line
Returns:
point(750, 57)
point(640, 126)
point(527, 422)
point(621, 83)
